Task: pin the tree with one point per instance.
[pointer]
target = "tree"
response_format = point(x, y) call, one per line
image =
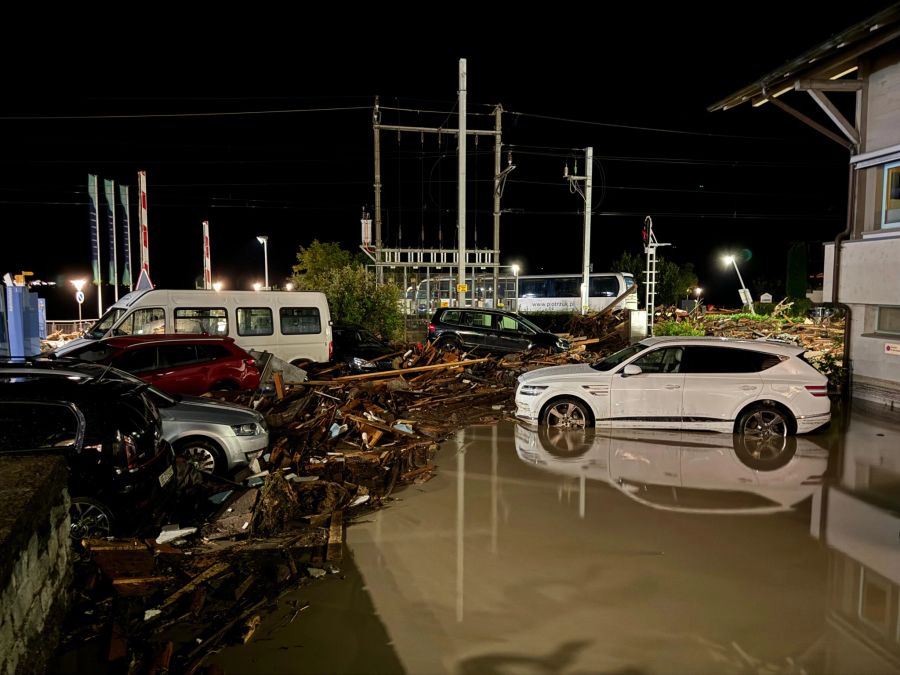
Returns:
point(631, 263)
point(354, 296)
point(672, 281)
point(314, 262)
point(353, 293)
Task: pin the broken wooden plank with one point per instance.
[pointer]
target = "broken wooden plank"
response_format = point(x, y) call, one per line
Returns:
point(335, 536)
point(211, 572)
point(400, 371)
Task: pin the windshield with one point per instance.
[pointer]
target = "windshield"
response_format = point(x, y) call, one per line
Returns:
point(101, 328)
point(532, 326)
point(614, 360)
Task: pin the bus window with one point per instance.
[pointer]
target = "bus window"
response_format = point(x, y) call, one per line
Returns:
point(605, 287)
point(212, 321)
point(254, 321)
point(144, 322)
point(300, 321)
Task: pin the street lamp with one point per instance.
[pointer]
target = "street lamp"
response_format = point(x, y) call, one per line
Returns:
point(217, 286)
point(79, 296)
point(746, 299)
point(289, 286)
point(257, 286)
point(697, 292)
point(515, 271)
point(264, 240)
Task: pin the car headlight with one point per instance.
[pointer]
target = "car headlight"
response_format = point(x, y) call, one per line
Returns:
point(531, 389)
point(249, 429)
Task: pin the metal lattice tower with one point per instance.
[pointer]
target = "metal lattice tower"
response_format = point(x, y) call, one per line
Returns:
point(650, 246)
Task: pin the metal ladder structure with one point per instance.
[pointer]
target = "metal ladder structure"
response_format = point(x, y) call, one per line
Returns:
point(650, 246)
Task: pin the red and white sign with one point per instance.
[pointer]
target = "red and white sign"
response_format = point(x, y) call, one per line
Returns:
point(207, 262)
point(145, 235)
point(892, 348)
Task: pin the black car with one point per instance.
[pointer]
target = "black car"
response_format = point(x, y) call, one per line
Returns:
point(489, 330)
point(109, 431)
point(359, 348)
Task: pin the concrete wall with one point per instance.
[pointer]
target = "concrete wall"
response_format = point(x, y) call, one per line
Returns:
point(35, 560)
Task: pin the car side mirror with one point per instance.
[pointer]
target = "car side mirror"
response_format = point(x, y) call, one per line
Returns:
point(630, 370)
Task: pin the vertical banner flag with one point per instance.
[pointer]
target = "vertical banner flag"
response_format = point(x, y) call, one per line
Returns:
point(145, 237)
point(93, 198)
point(109, 189)
point(126, 237)
point(207, 262)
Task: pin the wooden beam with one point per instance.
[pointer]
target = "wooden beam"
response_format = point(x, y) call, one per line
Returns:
point(828, 85)
point(835, 115)
point(400, 371)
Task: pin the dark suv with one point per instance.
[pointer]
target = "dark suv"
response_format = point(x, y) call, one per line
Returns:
point(489, 330)
point(177, 364)
point(109, 430)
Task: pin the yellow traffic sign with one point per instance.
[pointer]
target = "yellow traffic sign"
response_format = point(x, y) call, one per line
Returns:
point(462, 288)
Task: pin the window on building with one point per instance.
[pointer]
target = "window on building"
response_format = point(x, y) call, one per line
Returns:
point(891, 216)
point(888, 320)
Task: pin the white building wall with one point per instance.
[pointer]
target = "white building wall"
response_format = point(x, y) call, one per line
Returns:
point(883, 121)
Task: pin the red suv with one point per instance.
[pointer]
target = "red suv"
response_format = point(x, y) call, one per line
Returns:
point(177, 364)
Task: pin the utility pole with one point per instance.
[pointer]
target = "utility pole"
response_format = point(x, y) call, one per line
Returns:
point(497, 182)
point(586, 194)
point(461, 182)
point(376, 120)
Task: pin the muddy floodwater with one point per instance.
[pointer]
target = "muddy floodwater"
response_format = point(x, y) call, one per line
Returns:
point(615, 552)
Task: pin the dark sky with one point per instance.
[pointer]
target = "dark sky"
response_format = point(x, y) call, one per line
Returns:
point(634, 84)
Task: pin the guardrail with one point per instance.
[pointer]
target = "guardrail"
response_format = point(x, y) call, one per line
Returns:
point(68, 326)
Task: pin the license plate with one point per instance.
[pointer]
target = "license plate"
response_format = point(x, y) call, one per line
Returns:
point(166, 476)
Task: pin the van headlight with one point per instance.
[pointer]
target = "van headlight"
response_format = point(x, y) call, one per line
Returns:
point(249, 429)
point(531, 389)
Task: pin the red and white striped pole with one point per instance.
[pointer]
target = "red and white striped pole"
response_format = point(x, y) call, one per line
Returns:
point(145, 236)
point(207, 262)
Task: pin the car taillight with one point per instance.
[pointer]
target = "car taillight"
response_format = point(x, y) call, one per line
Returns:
point(124, 446)
point(431, 329)
point(817, 389)
point(250, 363)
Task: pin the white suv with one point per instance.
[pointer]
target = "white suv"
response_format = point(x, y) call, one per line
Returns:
point(759, 387)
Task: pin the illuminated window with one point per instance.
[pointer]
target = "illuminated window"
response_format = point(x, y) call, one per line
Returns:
point(891, 195)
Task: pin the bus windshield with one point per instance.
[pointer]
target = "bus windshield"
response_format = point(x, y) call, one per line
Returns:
point(107, 321)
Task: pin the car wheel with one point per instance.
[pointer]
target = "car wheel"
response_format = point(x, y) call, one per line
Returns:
point(764, 454)
point(562, 442)
point(766, 420)
point(451, 343)
point(203, 454)
point(568, 413)
point(89, 519)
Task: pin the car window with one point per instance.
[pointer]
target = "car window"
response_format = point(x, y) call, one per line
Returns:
point(176, 355)
point(451, 317)
point(477, 320)
point(136, 360)
point(511, 325)
point(209, 320)
point(254, 321)
point(666, 360)
point(144, 321)
point(30, 425)
point(619, 357)
point(210, 352)
point(606, 287)
point(715, 359)
point(300, 320)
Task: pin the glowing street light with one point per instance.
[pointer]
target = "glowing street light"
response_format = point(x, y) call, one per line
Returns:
point(217, 286)
point(257, 286)
point(515, 271)
point(746, 299)
point(289, 286)
point(79, 296)
point(264, 240)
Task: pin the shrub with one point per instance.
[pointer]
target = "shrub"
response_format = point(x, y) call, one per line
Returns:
point(677, 328)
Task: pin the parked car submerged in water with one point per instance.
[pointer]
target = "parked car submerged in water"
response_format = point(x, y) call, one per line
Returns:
point(756, 387)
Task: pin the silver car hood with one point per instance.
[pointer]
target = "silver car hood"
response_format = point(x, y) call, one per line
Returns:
point(71, 345)
point(575, 371)
point(198, 409)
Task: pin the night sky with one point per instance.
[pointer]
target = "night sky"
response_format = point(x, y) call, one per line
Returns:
point(201, 108)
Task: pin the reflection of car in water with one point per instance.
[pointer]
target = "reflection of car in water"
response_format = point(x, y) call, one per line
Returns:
point(692, 472)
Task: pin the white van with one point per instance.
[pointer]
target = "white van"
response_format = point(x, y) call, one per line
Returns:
point(295, 326)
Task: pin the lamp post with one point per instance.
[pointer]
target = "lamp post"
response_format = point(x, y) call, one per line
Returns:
point(744, 293)
point(515, 271)
point(79, 296)
point(264, 240)
point(697, 292)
